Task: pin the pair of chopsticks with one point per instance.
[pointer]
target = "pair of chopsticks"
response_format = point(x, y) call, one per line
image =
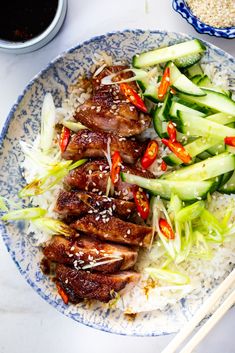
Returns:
point(227, 284)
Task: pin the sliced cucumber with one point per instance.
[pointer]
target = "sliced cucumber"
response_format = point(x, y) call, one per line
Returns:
point(229, 186)
point(225, 178)
point(187, 61)
point(221, 118)
point(207, 169)
point(216, 149)
point(194, 148)
point(159, 126)
point(207, 83)
point(204, 155)
point(197, 126)
point(185, 190)
point(151, 92)
point(161, 55)
point(181, 83)
point(194, 70)
point(175, 106)
point(214, 100)
point(230, 149)
point(164, 108)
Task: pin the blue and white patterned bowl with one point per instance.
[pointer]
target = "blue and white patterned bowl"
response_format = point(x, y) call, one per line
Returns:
point(181, 7)
point(23, 123)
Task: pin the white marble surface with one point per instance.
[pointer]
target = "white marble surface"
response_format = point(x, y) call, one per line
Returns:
point(28, 324)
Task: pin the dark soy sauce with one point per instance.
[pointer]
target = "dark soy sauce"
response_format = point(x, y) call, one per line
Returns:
point(21, 20)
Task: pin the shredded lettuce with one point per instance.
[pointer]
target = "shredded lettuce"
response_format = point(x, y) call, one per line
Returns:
point(167, 275)
point(24, 214)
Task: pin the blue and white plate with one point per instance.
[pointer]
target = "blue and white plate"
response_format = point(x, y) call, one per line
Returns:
point(23, 123)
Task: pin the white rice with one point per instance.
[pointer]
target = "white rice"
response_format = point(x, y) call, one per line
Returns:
point(204, 274)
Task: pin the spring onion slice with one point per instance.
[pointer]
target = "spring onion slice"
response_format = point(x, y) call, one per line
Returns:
point(48, 120)
point(53, 177)
point(138, 75)
point(53, 226)
point(30, 213)
point(190, 212)
point(74, 126)
point(201, 247)
point(173, 277)
point(3, 206)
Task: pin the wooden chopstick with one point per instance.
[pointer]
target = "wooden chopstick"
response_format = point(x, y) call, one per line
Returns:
point(205, 329)
point(202, 312)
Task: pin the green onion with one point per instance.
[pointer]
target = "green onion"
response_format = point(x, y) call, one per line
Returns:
point(24, 214)
point(75, 127)
point(168, 276)
point(48, 118)
point(3, 206)
point(53, 177)
point(138, 75)
point(53, 226)
point(190, 212)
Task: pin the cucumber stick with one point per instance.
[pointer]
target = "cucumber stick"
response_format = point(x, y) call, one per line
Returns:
point(175, 106)
point(229, 186)
point(207, 169)
point(181, 83)
point(194, 70)
point(214, 100)
point(197, 126)
point(185, 190)
point(161, 55)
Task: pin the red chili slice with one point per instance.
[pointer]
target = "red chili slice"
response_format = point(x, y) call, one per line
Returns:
point(230, 140)
point(150, 154)
point(62, 293)
point(165, 83)
point(178, 150)
point(171, 130)
point(163, 166)
point(166, 229)
point(116, 167)
point(64, 138)
point(133, 97)
point(142, 202)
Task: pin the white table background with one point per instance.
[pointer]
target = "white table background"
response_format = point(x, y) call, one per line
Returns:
point(27, 323)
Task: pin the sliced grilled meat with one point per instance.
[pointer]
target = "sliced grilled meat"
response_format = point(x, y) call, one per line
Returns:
point(93, 176)
point(92, 144)
point(87, 253)
point(85, 285)
point(114, 229)
point(109, 110)
point(79, 203)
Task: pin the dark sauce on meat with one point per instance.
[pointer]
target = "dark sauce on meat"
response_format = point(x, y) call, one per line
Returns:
point(21, 20)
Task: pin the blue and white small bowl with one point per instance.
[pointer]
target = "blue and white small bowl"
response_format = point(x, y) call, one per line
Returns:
point(183, 9)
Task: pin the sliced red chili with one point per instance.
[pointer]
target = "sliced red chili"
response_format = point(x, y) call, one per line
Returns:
point(150, 154)
point(163, 166)
point(165, 83)
point(178, 149)
point(166, 229)
point(133, 97)
point(64, 138)
point(171, 130)
point(116, 167)
point(230, 140)
point(62, 293)
point(142, 202)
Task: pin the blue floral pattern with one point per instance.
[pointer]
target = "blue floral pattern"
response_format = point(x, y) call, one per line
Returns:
point(23, 123)
point(181, 7)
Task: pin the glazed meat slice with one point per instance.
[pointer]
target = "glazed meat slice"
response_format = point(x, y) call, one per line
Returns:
point(79, 203)
point(92, 144)
point(87, 252)
point(114, 229)
point(93, 176)
point(85, 285)
point(109, 110)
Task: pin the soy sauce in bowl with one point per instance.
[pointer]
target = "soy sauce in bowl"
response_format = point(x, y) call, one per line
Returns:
point(22, 20)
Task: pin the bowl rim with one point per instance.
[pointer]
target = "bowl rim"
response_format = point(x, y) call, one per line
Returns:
point(40, 38)
point(80, 319)
point(187, 13)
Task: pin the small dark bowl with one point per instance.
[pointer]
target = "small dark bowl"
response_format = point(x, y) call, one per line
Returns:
point(183, 9)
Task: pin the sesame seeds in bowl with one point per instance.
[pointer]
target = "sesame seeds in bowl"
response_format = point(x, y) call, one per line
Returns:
point(213, 17)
